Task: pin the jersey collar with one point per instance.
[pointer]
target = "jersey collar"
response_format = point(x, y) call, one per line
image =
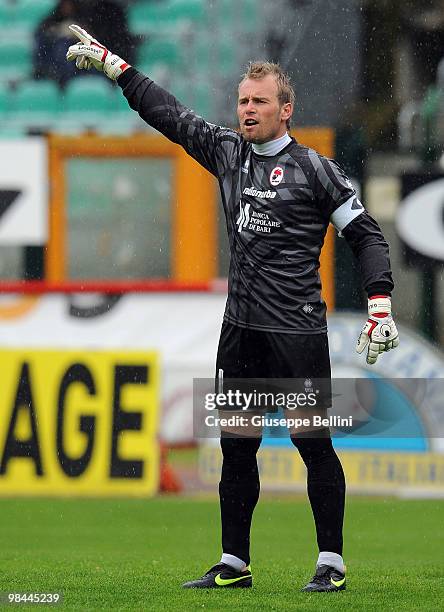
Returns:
point(272, 147)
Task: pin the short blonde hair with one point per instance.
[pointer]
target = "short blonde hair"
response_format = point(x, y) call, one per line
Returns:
point(259, 70)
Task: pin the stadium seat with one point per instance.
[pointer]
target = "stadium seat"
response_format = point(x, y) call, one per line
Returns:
point(119, 104)
point(5, 102)
point(228, 58)
point(6, 15)
point(145, 18)
point(15, 59)
point(28, 13)
point(180, 88)
point(194, 10)
point(218, 57)
point(197, 96)
point(203, 104)
point(238, 16)
point(159, 51)
point(227, 14)
point(37, 97)
point(88, 94)
point(252, 15)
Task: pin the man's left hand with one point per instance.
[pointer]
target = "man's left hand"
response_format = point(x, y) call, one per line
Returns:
point(379, 334)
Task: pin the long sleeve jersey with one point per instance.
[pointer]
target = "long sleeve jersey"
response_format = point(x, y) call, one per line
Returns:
point(277, 211)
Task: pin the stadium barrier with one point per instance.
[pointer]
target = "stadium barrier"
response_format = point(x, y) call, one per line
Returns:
point(82, 392)
point(49, 339)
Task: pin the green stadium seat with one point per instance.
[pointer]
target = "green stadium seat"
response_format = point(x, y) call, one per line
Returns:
point(5, 102)
point(238, 16)
point(6, 15)
point(181, 89)
point(197, 96)
point(252, 15)
point(203, 104)
point(34, 105)
point(37, 97)
point(88, 94)
point(15, 59)
point(227, 13)
point(194, 10)
point(29, 13)
point(144, 18)
point(217, 57)
point(228, 59)
point(159, 51)
point(119, 104)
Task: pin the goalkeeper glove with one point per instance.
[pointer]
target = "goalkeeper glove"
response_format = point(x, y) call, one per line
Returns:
point(379, 334)
point(91, 53)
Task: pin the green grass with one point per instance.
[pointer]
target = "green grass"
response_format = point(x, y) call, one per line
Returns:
point(134, 555)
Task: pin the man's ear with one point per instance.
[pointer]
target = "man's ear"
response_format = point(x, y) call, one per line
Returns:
point(286, 111)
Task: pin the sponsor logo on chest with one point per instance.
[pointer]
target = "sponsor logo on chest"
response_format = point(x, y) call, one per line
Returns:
point(258, 222)
point(266, 195)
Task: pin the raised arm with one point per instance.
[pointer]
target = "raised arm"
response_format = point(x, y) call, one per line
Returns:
point(212, 146)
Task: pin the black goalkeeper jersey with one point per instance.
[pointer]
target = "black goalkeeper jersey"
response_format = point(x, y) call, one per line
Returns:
point(277, 212)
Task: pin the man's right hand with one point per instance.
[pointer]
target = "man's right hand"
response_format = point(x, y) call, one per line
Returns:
point(91, 53)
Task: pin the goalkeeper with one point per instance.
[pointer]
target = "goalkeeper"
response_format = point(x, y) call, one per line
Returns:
point(279, 198)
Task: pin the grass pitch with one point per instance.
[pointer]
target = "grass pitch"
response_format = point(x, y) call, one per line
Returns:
point(134, 555)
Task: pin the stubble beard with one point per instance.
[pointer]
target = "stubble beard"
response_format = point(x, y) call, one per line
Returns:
point(253, 139)
point(272, 135)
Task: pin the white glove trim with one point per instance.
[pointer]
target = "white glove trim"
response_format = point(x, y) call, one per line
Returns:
point(379, 304)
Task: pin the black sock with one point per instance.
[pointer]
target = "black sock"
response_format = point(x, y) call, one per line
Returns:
point(238, 493)
point(326, 489)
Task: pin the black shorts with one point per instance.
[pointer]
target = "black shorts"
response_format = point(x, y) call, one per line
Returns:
point(249, 353)
point(263, 359)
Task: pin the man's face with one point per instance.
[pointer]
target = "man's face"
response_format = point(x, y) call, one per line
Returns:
point(261, 116)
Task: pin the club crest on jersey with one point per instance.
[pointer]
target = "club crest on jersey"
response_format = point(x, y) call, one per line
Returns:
point(276, 176)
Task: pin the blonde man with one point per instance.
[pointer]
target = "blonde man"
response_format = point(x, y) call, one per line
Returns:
point(279, 198)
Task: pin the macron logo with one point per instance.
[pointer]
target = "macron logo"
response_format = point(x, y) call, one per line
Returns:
point(267, 195)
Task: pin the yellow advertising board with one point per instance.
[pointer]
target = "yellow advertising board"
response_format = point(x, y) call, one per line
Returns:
point(365, 471)
point(80, 423)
